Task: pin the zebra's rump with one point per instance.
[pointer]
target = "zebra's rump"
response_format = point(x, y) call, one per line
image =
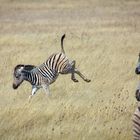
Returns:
point(57, 62)
point(136, 124)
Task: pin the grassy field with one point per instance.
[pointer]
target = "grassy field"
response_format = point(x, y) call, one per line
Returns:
point(103, 36)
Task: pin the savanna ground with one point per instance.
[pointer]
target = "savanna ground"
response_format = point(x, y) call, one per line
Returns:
point(103, 36)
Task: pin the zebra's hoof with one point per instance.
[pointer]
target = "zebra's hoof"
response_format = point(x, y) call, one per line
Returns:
point(75, 80)
point(88, 80)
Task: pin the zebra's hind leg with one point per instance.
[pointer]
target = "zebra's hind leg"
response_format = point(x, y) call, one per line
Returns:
point(81, 75)
point(34, 90)
point(74, 70)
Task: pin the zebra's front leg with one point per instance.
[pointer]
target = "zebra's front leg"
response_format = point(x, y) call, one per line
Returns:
point(34, 90)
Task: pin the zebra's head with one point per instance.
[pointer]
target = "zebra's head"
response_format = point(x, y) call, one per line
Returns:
point(138, 66)
point(19, 74)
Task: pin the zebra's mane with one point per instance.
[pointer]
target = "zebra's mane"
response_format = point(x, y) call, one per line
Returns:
point(29, 67)
point(25, 67)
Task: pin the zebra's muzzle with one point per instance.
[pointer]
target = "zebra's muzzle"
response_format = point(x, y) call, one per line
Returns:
point(138, 95)
point(15, 86)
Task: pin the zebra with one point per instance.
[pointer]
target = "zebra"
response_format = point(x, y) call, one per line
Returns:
point(136, 115)
point(45, 74)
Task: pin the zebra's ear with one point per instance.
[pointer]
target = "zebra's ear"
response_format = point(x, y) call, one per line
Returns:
point(19, 67)
point(29, 67)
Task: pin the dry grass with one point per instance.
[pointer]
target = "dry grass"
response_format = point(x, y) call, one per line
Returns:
point(102, 36)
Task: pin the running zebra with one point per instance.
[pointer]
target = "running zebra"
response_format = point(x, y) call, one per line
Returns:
point(45, 74)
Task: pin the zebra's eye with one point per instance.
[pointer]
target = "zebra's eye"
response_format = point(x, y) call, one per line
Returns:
point(17, 75)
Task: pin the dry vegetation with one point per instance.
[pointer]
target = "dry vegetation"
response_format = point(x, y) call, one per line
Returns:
point(103, 36)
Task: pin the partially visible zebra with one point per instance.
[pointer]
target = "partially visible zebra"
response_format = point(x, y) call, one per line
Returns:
point(136, 115)
point(136, 124)
point(45, 74)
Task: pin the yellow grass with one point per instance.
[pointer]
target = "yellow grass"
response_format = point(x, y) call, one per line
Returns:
point(103, 36)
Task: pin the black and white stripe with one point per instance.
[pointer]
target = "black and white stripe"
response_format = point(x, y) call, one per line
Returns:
point(45, 74)
point(136, 124)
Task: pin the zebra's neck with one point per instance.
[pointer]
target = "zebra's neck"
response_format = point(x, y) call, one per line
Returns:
point(28, 77)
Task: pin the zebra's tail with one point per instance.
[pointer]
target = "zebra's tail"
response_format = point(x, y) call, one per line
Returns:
point(62, 48)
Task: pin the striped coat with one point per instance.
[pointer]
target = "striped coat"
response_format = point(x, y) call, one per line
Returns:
point(136, 124)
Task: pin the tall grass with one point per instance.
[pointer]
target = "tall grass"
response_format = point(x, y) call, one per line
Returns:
point(102, 36)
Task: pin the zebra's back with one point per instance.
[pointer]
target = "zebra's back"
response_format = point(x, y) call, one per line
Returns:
point(136, 124)
point(55, 64)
